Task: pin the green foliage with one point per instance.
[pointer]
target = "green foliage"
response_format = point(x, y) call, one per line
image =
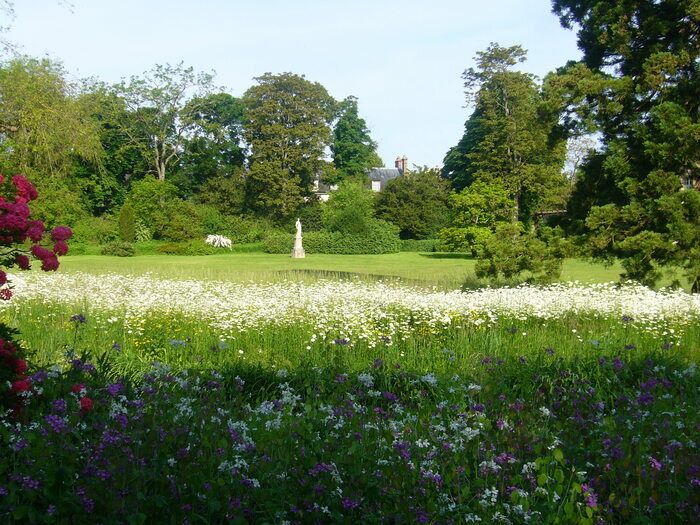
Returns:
point(380, 237)
point(286, 126)
point(179, 221)
point(212, 221)
point(243, 230)
point(477, 210)
point(118, 249)
point(639, 84)
point(419, 245)
point(310, 215)
point(148, 197)
point(353, 149)
point(95, 230)
point(349, 209)
point(194, 247)
point(59, 204)
point(225, 193)
point(44, 128)
point(165, 106)
point(512, 252)
point(469, 239)
point(127, 223)
point(417, 203)
point(510, 138)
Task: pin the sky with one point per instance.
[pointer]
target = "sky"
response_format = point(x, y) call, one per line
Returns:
point(402, 59)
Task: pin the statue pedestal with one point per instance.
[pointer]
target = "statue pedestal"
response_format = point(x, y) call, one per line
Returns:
point(298, 250)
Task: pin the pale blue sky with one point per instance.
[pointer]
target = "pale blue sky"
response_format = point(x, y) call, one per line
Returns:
point(401, 58)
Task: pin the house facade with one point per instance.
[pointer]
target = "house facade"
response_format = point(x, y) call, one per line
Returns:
point(378, 178)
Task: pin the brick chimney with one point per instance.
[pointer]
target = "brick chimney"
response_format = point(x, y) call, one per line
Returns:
point(401, 163)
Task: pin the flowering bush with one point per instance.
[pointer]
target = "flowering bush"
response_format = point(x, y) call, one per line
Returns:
point(218, 241)
point(21, 237)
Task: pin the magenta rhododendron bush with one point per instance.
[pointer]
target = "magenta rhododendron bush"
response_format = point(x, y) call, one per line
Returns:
point(20, 239)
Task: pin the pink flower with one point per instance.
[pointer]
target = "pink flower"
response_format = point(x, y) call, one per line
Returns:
point(60, 248)
point(20, 366)
point(61, 233)
point(35, 230)
point(3, 277)
point(77, 388)
point(5, 294)
point(25, 189)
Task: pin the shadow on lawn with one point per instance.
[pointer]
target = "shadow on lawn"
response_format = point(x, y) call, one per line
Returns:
point(447, 255)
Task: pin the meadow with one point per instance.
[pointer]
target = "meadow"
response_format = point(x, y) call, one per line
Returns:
point(229, 389)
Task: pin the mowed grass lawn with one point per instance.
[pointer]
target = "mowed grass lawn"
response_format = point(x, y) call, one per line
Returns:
point(443, 270)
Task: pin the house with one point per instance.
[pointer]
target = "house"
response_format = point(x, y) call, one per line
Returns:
point(378, 178)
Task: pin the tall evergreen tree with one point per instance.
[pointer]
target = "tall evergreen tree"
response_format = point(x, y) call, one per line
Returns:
point(509, 138)
point(353, 149)
point(640, 84)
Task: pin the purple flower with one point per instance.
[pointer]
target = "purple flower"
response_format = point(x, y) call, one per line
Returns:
point(350, 503)
point(342, 342)
point(645, 399)
point(618, 364)
point(655, 464)
point(51, 510)
point(78, 319)
point(627, 319)
point(57, 423)
point(114, 388)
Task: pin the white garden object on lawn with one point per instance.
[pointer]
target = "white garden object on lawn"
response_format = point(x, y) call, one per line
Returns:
point(218, 241)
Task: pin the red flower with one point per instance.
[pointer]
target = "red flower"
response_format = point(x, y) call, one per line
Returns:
point(20, 366)
point(35, 230)
point(21, 385)
point(5, 294)
point(23, 262)
point(77, 388)
point(3, 277)
point(86, 404)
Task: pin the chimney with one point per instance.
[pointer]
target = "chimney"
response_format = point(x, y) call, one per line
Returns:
point(397, 163)
point(404, 165)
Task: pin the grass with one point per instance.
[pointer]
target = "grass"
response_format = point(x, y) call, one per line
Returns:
point(443, 270)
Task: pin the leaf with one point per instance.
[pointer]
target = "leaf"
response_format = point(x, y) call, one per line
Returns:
point(559, 455)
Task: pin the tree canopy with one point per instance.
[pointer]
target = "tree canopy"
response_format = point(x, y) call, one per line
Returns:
point(639, 83)
point(353, 149)
point(509, 138)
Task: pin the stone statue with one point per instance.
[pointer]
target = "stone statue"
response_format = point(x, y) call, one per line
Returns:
point(298, 250)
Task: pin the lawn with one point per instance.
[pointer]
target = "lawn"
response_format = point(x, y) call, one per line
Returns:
point(434, 269)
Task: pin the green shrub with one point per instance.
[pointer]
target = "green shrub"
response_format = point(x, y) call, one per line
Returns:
point(95, 230)
point(212, 220)
point(243, 230)
point(419, 245)
point(349, 210)
point(470, 239)
point(127, 223)
point(179, 222)
point(382, 237)
point(118, 249)
point(512, 252)
point(196, 247)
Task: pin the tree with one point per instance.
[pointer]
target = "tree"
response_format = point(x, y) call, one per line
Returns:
point(476, 213)
point(164, 104)
point(226, 194)
point(44, 128)
point(350, 209)
point(639, 83)
point(417, 203)
point(213, 147)
point(354, 151)
point(286, 127)
point(510, 137)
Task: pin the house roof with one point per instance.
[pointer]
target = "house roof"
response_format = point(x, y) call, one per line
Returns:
point(383, 174)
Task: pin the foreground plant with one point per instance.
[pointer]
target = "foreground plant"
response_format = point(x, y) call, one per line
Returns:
point(20, 238)
point(599, 441)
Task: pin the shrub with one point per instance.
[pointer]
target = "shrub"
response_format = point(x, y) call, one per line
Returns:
point(178, 222)
point(510, 252)
point(195, 247)
point(467, 240)
point(243, 230)
point(119, 249)
point(96, 230)
point(419, 245)
point(212, 220)
point(382, 237)
point(127, 223)
point(350, 209)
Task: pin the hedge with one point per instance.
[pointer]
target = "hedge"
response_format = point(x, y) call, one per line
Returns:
point(419, 245)
point(382, 238)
